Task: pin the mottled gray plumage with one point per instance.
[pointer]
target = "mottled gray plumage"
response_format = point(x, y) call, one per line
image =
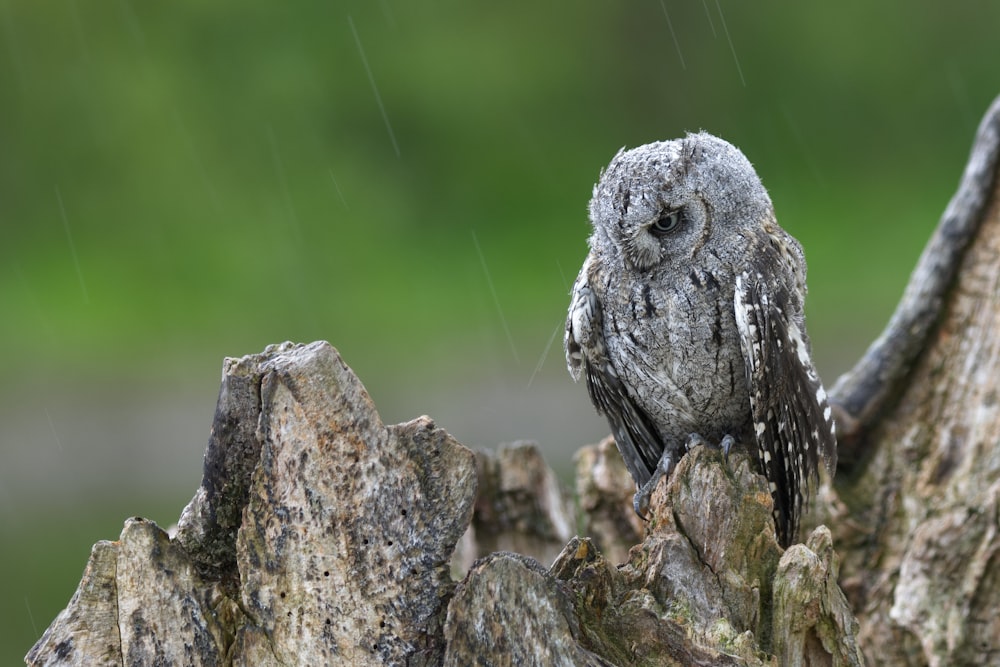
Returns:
point(687, 320)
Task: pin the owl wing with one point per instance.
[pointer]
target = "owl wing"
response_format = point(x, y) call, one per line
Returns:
point(586, 354)
point(791, 416)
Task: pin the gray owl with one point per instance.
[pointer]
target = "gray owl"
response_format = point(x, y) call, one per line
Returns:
point(687, 321)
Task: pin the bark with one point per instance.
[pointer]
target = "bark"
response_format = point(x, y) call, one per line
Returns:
point(320, 535)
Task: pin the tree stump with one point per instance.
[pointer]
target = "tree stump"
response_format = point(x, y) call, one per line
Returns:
point(320, 535)
point(918, 527)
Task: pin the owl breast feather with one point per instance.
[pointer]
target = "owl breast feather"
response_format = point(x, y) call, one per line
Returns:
point(681, 363)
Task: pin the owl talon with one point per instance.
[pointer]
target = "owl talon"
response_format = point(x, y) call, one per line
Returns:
point(640, 501)
point(725, 445)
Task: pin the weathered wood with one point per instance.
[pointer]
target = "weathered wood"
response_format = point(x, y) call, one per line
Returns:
point(86, 631)
point(918, 525)
point(605, 489)
point(696, 591)
point(520, 508)
point(347, 528)
point(341, 554)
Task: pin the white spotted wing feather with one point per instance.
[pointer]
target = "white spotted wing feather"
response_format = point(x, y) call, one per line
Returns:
point(791, 416)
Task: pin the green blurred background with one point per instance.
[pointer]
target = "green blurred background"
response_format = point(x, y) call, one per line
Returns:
point(180, 182)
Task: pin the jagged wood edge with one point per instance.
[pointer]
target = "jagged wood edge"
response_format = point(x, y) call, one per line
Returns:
point(863, 395)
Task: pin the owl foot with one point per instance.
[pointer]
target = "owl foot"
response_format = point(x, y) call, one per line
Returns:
point(666, 464)
point(640, 501)
point(668, 460)
point(726, 445)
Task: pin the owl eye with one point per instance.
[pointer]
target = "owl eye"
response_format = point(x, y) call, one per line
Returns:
point(666, 223)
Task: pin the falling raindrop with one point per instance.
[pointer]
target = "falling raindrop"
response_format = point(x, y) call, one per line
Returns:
point(496, 299)
point(545, 353)
point(52, 427)
point(336, 186)
point(673, 34)
point(708, 15)
point(725, 29)
point(31, 617)
point(72, 246)
point(371, 80)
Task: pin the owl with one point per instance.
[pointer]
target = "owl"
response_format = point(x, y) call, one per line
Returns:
point(687, 321)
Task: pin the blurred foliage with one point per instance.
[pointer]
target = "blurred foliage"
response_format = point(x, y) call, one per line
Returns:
point(182, 181)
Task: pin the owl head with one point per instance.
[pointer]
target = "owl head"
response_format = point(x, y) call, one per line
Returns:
point(664, 202)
